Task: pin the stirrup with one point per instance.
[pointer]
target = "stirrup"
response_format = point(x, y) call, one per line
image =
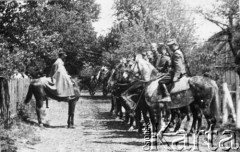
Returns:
point(165, 99)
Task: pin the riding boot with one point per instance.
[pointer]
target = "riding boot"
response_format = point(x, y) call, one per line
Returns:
point(166, 94)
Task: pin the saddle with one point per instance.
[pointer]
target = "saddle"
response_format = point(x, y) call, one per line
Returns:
point(181, 85)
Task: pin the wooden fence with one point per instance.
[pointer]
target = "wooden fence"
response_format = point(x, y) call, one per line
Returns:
point(18, 90)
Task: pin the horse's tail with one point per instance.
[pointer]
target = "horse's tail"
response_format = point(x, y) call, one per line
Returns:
point(29, 94)
point(215, 105)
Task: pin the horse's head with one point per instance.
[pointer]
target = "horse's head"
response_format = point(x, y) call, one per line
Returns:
point(141, 68)
point(116, 76)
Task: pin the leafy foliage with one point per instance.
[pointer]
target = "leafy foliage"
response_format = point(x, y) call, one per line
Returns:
point(143, 21)
point(34, 32)
point(225, 15)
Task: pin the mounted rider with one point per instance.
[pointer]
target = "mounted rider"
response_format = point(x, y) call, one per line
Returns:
point(178, 69)
point(163, 61)
point(60, 78)
point(155, 59)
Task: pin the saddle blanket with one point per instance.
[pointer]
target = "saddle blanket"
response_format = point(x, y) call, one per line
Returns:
point(181, 85)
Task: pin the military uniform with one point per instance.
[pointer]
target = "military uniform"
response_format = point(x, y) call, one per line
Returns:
point(178, 65)
point(177, 71)
point(163, 63)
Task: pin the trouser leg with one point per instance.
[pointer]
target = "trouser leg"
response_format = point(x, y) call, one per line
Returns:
point(165, 93)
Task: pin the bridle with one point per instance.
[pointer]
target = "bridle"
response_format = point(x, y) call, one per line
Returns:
point(139, 71)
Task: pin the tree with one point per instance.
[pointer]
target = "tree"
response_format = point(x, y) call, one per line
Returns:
point(226, 16)
point(38, 31)
point(73, 22)
point(143, 21)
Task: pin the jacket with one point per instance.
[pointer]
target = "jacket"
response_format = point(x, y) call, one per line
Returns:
point(163, 63)
point(178, 65)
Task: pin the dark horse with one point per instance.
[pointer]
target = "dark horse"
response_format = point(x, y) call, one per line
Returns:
point(4, 100)
point(203, 93)
point(88, 82)
point(119, 84)
point(40, 93)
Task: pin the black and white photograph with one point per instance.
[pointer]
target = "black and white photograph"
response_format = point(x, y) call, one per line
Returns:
point(119, 75)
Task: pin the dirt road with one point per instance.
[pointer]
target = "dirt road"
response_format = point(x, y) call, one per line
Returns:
point(95, 130)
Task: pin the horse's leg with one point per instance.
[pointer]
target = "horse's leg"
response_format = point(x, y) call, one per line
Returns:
point(127, 109)
point(69, 113)
point(131, 128)
point(173, 116)
point(116, 106)
point(46, 102)
point(144, 114)
point(120, 110)
point(188, 118)
point(184, 112)
point(196, 113)
point(112, 103)
point(39, 104)
point(211, 120)
point(155, 115)
point(138, 120)
point(71, 110)
point(127, 117)
point(178, 123)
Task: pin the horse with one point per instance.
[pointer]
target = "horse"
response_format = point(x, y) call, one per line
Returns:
point(102, 77)
point(88, 82)
point(202, 93)
point(119, 85)
point(40, 93)
point(4, 100)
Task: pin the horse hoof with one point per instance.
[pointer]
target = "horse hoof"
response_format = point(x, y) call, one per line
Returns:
point(71, 127)
point(117, 119)
point(131, 128)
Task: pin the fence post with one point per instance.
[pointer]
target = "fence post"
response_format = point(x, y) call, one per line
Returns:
point(227, 103)
point(224, 105)
point(237, 102)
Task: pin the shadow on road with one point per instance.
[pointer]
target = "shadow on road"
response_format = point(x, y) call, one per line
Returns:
point(96, 97)
point(31, 122)
point(120, 143)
